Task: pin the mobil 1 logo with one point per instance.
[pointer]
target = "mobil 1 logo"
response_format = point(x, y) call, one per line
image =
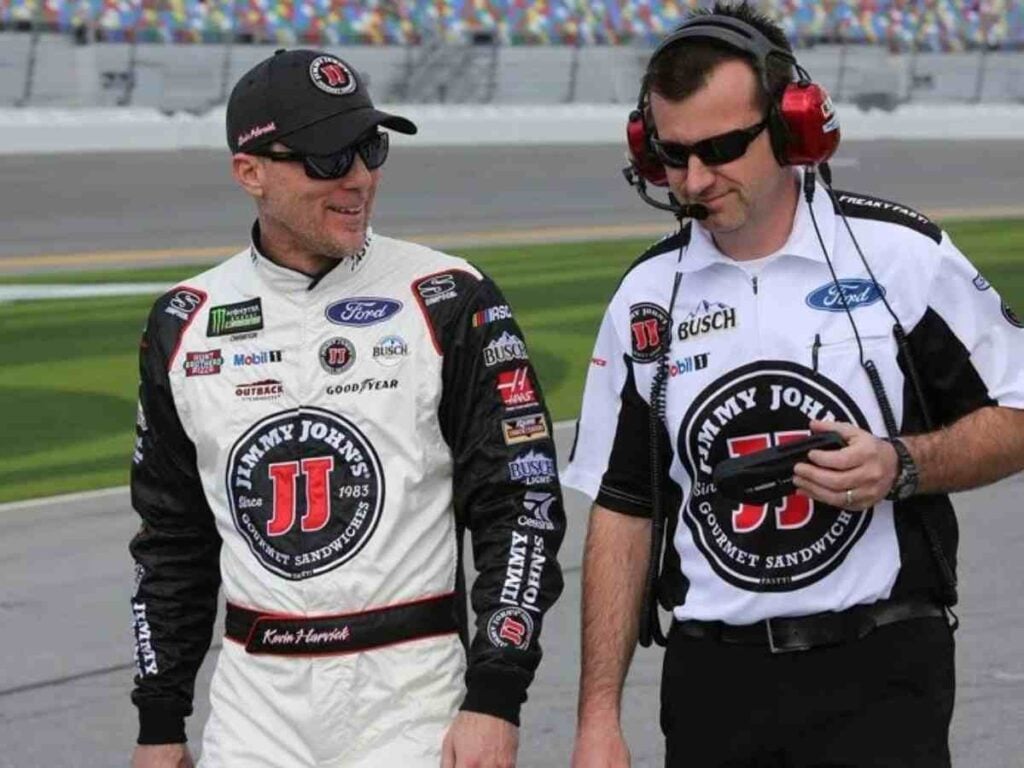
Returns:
point(306, 490)
point(786, 544)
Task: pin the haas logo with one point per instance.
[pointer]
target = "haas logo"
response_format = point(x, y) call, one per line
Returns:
point(331, 75)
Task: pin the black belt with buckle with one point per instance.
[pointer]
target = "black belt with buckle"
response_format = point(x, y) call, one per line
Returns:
point(285, 635)
point(800, 633)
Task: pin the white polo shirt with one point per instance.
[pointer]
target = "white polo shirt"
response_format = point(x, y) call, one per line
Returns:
point(757, 350)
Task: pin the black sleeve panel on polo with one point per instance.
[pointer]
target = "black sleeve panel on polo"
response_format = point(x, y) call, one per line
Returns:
point(858, 206)
point(516, 525)
point(626, 484)
point(176, 551)
point(952, 386)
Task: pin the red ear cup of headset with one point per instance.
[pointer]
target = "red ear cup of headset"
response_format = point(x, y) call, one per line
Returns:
point(638, 151)
point(811, 122)
point(803, 124)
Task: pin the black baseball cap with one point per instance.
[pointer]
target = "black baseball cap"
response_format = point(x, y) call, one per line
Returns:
point(311, 101)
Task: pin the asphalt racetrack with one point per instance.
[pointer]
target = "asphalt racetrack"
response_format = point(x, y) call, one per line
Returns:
point(65, 574)
point(142, 208)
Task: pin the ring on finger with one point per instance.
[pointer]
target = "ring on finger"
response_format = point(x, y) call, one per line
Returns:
point(849, 498)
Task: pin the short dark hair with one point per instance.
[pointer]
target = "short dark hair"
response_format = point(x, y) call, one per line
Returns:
point(681, 70)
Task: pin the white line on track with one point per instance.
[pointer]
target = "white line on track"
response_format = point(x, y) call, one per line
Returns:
point(79, 291)
point(65, 498)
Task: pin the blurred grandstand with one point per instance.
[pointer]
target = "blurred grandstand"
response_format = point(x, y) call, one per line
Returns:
point(877, 52)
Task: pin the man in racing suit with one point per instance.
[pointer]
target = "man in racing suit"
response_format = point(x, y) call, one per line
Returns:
point(320, 418)
point(808, 630)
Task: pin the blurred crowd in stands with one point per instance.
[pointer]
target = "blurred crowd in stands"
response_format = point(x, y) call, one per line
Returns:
point(935, 25)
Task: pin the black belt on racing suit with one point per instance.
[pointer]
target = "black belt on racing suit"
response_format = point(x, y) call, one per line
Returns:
point(285, 635)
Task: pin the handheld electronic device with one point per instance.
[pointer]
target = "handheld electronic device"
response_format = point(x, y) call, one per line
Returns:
point(764, 476)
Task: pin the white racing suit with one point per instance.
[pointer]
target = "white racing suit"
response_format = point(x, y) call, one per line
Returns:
point(317, 447)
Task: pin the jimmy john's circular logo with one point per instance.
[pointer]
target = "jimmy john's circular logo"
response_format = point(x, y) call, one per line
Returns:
point(648, 327)
point(788, 543)
point(331, 75)
point(510, 626)
point(306, 491)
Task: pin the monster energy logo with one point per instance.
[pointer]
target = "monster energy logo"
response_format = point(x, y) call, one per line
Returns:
point(235, 318)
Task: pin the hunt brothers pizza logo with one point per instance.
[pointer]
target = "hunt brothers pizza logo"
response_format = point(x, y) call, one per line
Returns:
point(306, 491)
point(787, 544)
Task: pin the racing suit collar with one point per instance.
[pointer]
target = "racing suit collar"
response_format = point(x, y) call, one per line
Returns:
point(286, 278)
point(803, 240)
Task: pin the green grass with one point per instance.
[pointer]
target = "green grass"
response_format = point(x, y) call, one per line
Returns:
point(68, 373)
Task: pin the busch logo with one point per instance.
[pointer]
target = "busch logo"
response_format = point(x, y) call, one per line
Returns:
point(532, 468)
point(390, 350)
point(706, 318)
point(504, 349)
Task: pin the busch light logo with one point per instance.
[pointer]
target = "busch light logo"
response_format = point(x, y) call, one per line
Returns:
point(362, 311)
point(857, 292)
point(532, 468)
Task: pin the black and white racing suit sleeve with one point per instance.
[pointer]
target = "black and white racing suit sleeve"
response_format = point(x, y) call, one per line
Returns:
point(176, 550)
point(493, 418)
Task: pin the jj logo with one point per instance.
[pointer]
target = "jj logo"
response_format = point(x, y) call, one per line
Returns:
point(795, 511)
point(284, 475)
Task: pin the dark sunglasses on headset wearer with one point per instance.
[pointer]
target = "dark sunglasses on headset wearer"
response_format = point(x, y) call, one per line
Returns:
point(715, 150)
point(373, 148)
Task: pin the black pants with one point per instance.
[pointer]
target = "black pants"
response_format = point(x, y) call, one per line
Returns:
point(884, 701)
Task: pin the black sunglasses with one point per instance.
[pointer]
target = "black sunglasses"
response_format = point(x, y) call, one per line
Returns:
point(373, 149)
point(716, 150)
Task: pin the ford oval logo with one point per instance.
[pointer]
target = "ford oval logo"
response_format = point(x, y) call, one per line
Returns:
point(364, 310)
point(858, 293)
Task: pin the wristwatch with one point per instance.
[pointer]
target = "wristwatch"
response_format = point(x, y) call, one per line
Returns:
point(907, 477)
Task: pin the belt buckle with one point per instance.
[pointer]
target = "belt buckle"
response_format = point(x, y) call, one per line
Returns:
point(777, 649)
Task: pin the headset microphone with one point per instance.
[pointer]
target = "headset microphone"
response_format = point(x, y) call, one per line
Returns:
point(688, 211)
point(696, 211)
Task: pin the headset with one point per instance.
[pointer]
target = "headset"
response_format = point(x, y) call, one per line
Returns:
point(802, 122)
point(804, 131)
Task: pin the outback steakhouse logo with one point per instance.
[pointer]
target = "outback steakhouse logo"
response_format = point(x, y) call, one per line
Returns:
point(780, 546)
point(306, 491)
point(268, 389)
